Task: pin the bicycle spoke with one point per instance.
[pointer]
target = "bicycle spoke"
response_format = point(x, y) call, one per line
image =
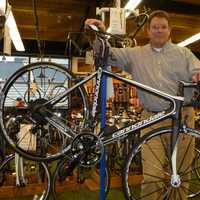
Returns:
point(165, 150)
point(156, 167)
point(154, 154)
point(186, 151)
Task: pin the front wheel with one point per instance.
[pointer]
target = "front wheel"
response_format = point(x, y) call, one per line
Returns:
point(155, 180)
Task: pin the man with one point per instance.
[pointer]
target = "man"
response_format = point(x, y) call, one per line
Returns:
point(159, 64)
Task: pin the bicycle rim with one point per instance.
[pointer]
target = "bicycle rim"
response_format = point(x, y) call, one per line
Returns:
point(155, 180)
point(35, 84)
point(28, 180)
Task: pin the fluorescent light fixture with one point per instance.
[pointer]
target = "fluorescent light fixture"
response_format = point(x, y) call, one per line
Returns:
point(14, 33)
point(131, 5)
point(190, 40)
point(2, 7)
point(7, 58)
point(108, 30)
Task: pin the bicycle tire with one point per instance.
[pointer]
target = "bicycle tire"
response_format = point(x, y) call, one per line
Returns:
point(74, 182)
point(189, 186)
point(30, 177)
point(45, 75)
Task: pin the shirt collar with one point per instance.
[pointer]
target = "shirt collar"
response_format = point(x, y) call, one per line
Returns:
point(166, 46)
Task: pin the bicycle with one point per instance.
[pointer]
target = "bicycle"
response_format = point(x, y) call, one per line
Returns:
point(83, 146)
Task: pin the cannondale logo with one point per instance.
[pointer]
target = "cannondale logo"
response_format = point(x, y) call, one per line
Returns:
point(135, 126)
point(96, 93)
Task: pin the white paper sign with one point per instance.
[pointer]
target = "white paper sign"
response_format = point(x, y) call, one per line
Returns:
point(89, 58)
point(117, 21)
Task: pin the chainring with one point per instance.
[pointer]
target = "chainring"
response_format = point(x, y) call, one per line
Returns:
point(88, 147)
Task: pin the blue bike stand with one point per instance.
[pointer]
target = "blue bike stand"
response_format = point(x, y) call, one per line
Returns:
point(103, 124)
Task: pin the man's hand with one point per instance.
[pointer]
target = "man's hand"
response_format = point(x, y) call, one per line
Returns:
point(97, 23)
point(196, 77)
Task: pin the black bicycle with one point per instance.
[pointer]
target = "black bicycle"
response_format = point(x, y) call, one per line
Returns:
point(81, 143)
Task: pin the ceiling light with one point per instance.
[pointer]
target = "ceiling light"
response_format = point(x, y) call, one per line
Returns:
point(190, 40)
point(131, 5)
point(7, 58)
point(14, 33)
point(3, 7)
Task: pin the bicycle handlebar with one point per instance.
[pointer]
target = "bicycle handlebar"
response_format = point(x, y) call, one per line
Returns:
point(187, 84)
point(190, 84)
point(102, 34)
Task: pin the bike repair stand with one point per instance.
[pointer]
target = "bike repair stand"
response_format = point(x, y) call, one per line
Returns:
point(116, 17)
point(103, 124)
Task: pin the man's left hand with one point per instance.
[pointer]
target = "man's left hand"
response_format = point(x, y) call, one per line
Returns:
point(196, 77)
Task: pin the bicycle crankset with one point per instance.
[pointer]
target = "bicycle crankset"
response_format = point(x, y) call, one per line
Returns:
point(88, 148)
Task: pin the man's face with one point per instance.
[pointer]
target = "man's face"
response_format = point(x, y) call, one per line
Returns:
point(158, 32)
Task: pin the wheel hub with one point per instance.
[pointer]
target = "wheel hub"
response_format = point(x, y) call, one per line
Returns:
point(175, 181)
point(37, 110)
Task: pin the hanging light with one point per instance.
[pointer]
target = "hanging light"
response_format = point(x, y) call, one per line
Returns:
point(190, 40)
point(2, 7)
point(131, 5)
point(14, 33)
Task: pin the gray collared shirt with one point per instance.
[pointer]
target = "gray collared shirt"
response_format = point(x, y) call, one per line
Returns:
point(161, 70)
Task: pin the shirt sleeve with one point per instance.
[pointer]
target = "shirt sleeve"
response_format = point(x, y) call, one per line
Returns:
point(118, 57)
point(193, 62)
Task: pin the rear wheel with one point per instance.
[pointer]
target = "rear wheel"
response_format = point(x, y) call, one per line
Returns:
point(155, 181)
point(28, 128)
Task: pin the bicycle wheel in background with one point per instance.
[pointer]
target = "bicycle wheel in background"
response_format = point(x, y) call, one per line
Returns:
point(71, 181)
point(29, 180)
point(157, 182)
point(25, 84)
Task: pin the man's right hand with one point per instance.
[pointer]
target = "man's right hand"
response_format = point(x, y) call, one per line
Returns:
point(97, 23)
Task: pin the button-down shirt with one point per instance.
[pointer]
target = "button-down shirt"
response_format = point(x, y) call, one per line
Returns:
point(161, 70)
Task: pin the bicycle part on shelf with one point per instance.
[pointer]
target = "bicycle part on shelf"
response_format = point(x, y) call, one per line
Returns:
point(127, 42)
point(88, 147)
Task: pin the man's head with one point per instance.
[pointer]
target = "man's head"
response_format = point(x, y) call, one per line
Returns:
point(158, 28)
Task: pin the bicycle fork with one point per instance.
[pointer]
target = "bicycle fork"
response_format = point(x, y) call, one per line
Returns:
point(175, 178)
point(176, 122)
